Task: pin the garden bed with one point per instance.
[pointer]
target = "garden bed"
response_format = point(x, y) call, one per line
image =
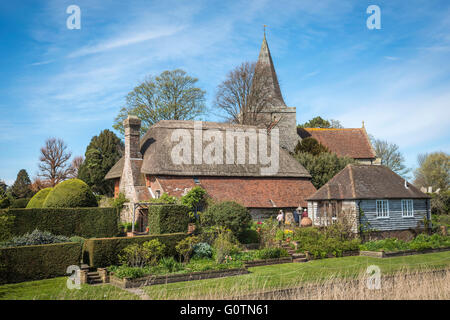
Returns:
point(330, 255)
point(170, 278)
point(384, 254)
point(266, 262)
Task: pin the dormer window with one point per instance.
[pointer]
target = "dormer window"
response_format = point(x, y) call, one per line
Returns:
point(158, 194)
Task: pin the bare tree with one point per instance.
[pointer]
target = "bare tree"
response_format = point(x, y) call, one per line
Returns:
point(75, 166)
point(245, 93)
point(54, 158)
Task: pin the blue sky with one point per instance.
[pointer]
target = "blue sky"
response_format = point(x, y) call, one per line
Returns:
point(70, 84)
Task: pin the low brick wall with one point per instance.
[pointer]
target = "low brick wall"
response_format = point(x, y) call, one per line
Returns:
point(152, 280)
point(383, 254)
point(266, 262)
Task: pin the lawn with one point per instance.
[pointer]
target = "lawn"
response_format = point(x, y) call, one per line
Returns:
point(56, 289)
point(294, 274)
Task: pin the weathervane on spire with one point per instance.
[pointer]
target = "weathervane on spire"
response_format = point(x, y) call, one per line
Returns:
point(264, 30)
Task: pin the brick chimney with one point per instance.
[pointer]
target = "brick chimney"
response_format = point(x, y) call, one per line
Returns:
point(132, 126)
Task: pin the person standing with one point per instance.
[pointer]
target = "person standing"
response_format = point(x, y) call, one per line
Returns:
point(280, 217)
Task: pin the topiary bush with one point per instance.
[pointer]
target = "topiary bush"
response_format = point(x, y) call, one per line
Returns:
point(20, 203)
point(228, 214)
point(168, 218)
point(72, 193)
point(39, 198)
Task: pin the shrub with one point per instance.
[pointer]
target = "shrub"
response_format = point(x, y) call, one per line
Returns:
point(164, 198)
point(225, 245)
point(140, 255)
point(227, 214)
point(39, 198)
point(203, 250)
point(34, 238)
point(271, 253)
point(185, 248)
point(170, 264)
point(20, 203)
point(168, 219)
point(119, 201)
point(267, 232)
point(37, 262)
point(104, 252)
point(125, 271)
point(84, 222)
point(73, 193)
point(195, 200)
point(6, 224)
point(154, 250)
point(249, 236)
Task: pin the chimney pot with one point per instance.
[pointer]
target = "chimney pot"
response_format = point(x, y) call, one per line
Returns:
point(132, 125)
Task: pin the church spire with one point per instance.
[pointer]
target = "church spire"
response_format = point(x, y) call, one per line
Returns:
point(265, 67)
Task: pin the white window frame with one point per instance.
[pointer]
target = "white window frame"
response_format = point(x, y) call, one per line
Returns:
point(409, 208)
point(384, 214)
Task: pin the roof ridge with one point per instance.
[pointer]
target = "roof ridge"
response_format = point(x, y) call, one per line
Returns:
point(352, 181)
point(324, 129)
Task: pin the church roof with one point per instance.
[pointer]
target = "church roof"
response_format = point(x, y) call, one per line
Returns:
point(353, 143)
point(357, 181)
point(266, 67)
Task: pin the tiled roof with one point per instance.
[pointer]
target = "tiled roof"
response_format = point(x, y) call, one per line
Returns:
point(250, 192)
point(353, 143)
point(358, 181)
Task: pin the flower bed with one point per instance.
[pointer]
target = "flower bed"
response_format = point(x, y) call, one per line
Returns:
point(420, 243)
point(382, 254)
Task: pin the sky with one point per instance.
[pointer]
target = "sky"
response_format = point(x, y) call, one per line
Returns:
point(71, 83)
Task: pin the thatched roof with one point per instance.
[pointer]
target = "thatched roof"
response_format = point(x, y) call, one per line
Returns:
point(358, 181)
point(156, 147)
point(351, 142)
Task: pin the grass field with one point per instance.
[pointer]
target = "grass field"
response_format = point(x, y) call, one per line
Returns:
point(260, 279)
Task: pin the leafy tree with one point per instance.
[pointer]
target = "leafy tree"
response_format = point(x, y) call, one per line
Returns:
point(5, 201)
point(310, 145)
point(101, 155)
point(434, 171)
point(22, 186)
point(323, 166)
point(195, 199)
point(3, 186)
point(54, 158)
point(172, 95)
point(390, 156)
point(319, 122)
point(164, 198)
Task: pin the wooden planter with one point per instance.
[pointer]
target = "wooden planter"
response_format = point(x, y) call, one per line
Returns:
point(383, 254)
point(309, 256)
point(170, 278)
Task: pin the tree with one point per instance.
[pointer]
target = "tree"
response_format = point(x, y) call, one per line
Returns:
point(319, 122)
point(22, 186)
point(54, 161)
point(172, 95)
point(101, 155)
point(310, 145)
point(75, 167)
point(322, 167)
point(244, 94)
point(3, 186)
point(433, 171)
point(4, 199)
point(38, 184)
point(390, 156)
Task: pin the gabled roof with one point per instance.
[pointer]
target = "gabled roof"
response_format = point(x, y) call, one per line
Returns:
point(156, 147)
point(353, 143)
point(250, 192)
point(357, 181)
point(265, 67)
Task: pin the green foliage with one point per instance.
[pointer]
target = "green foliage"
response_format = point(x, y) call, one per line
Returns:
point(73, 193)
point(440, 203)
point(104, 252)
point(267, 232)
point(185, 247)
point(271, 253)
point(168, 218)
point(225, 245)
point(310, 145)
point(140, 255)
point(119, 201)
point(203, 250)
point(421, 242)
point(36, 237)
point(195, 200)
point(319, 122)
point(5, 202)
point(172, 95)
point(170, 264)
point(125, 271)
point(85, 222)
point(434, 171)
point(39, 198)
point(6, 225)
point(227, 214)
point(37, 262)
point(22, 186)
point(249, 236)
point(323, 166)
point(20, 203)
point(101, 155)
point(164, 198)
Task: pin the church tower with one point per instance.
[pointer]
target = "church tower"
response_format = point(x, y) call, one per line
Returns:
point(275, 113)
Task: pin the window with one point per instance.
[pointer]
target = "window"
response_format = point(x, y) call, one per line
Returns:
point(382, 209)
point(407, 208)
point(158, 194)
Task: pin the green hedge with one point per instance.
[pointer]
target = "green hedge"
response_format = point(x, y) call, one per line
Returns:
point(83, 222)
point(73, 193)
point(168, 218)
point(39, 198)
point(103, 252)
point(18, 264)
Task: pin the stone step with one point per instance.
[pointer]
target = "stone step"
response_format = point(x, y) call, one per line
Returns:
point(298, 255)
point(93, 273)
point(298, 260)
point(95, 281)
point(84, 266)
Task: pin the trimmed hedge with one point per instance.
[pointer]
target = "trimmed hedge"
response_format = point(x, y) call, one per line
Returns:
point(168, 218)
point(18, 264)
point(39, 198)
point(83, 222)
point(20, 203)
point(103, 252)
point(73, 193)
